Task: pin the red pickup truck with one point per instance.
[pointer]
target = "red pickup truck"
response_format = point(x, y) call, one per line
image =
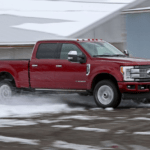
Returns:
point(94, 66)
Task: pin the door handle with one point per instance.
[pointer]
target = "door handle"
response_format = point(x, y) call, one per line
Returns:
point(58, 66)
point(34, 65)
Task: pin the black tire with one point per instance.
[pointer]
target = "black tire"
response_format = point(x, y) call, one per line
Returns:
point(106, 94)
point(6, 90)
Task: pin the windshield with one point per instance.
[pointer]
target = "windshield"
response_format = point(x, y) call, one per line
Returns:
point(101, 49)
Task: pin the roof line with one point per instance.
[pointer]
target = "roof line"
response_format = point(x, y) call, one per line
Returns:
point(95, 2)
point(17, 43)
point(34, 42)
point(99, 22)
point(137, 10)
point(101, 2)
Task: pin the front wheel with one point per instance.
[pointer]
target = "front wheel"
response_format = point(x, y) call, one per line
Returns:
point(6, 90)
point(106, 94)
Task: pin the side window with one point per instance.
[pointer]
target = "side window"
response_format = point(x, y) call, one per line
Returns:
point(68, 47)
point(46, 51)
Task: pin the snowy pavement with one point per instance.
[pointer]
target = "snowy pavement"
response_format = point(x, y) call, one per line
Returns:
point(69, 121)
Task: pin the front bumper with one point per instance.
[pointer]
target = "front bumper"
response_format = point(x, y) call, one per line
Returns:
point(134, 87)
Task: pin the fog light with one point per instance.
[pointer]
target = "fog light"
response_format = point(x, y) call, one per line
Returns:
point(131, 86)
point(142, 87)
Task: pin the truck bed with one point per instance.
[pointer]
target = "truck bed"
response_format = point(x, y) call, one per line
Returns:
point(18, 68)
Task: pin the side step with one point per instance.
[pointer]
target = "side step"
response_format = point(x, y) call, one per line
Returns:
point(61, 90)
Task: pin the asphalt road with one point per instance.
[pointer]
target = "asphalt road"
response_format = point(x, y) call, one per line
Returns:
point(84, 128)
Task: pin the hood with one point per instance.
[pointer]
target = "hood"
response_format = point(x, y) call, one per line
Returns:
point(126, 60)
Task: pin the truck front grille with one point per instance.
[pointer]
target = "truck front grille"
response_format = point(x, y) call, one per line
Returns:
point(141, 73)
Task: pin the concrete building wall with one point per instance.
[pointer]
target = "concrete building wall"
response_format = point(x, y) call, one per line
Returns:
point(114, 29)
point(138, 34)
point(144, 4)
point(111, 31)
point(14, 52)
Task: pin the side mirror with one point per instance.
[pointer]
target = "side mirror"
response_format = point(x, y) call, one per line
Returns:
point(126, 52)
point(73, 57)
point(82, 59)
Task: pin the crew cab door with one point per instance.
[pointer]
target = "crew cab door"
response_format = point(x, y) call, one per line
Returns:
point(70, 75)
point(43, 65)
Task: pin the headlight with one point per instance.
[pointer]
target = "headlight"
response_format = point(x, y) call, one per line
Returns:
point(126, 71)
point(136, 73)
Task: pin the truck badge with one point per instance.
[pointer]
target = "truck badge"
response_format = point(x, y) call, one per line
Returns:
point(148, 72)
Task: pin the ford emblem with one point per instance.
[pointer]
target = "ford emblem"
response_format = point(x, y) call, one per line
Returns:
point(148, 72)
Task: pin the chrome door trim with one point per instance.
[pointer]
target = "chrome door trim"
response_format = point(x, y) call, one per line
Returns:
point(88, 69)
point(58, 66)
point(34, 65)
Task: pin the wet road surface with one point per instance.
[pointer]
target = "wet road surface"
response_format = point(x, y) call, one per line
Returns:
point(72, 122)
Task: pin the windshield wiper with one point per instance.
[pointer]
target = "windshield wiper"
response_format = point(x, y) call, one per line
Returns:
point(102, 55)
point(119, 55)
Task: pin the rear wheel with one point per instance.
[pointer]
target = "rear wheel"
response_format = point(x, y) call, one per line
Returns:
point(6, 90)
point(106, 94)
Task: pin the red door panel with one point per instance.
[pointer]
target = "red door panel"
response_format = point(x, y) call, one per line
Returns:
point(70, 75)
point(42, 75)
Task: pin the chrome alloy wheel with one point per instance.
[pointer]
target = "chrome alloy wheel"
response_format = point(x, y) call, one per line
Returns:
point(5, 91)
point(105, 94)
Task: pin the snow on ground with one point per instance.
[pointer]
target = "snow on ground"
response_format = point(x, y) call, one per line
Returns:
point(33, 106)
point(50, 121)
point(109, 109)
point(30, 111)
point(61, 126)
point(66, 145)
point(120, 117)
point(138, 147)
point(19, 140)
point(85, 117)
point(140, 118)
point(143, 133)
point(95, 128)
point(91, 129)
point(27, 122)
point(15, 122)
point(95, 109)
point(78, 14)
point(120, 132)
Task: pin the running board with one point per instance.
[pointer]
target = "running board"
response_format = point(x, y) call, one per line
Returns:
point(61, 90)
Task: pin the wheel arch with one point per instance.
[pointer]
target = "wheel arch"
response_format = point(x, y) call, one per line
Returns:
point(103, 76)
point(4, 75)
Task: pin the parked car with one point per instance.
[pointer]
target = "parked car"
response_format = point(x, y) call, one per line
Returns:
point(94, 66)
